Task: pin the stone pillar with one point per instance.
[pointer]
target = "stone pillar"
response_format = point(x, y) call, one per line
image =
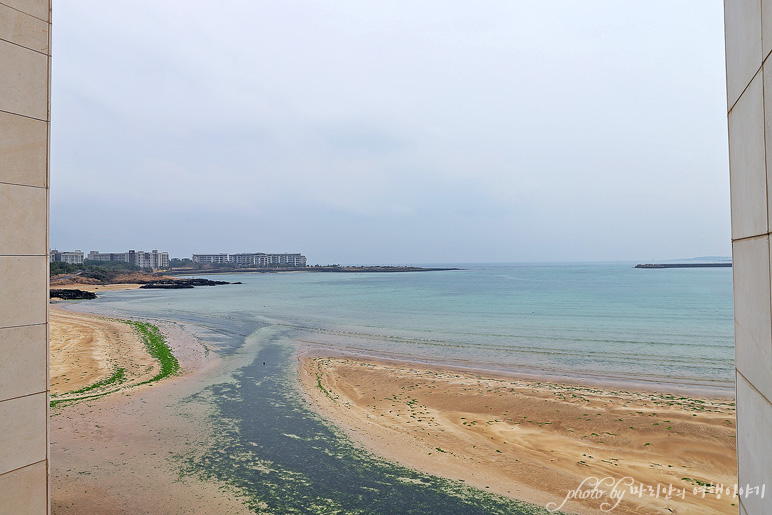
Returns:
point(25, 69)
point(748, 31)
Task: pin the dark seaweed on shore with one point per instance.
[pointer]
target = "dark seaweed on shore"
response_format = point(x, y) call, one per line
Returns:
point(283, 458)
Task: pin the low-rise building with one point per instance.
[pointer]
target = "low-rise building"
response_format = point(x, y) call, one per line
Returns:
point(257, 259)
point(247, 259)
point(142, 259)
point(211, 258)
point(95, 255)
point(73, 257)
point(285, 259)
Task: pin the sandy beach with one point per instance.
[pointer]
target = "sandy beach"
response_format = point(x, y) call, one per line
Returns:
point(94, 287)
point(85, 350)
point(525, 439)
point(114, 453)
point(532, 440)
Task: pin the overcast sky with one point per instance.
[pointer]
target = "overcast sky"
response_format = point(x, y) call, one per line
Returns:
point(391, 132)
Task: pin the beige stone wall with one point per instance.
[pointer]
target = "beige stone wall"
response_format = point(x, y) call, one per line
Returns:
point(25, 64)
point(748, 28)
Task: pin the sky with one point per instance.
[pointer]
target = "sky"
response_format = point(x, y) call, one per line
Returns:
point(401, 132)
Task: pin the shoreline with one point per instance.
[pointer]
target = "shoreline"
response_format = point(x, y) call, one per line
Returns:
point(94, 356)
point(463, 425)
point(151, 444)
point(143, 412)
point(116, 453)
point(642, 384)
point(96, 287)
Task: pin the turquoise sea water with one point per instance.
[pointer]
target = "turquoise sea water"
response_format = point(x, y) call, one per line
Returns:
point(581, 320)
point(607, 322)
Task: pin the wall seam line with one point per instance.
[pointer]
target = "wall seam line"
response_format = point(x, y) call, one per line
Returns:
point(744, 90)
point(22, 467)
point(22, 185)
point(24, 116)
point(26, 13)
point(744, 238)
point(24, 47)
point(754, 387)
point(21, 326)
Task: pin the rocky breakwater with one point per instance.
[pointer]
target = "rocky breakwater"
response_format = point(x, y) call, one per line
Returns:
point(179, 284)
point(71, 294)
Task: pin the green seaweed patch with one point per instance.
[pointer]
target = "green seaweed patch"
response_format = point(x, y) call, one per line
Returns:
point(116, 378)
point(322, 388)
point(156, 346)
point(323, 471)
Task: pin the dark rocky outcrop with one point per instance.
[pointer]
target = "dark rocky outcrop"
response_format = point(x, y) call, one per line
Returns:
point(166, 286)
point(72, 294)
point(176, 284)
point(685, 265)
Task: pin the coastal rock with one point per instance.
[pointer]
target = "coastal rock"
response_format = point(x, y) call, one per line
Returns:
point(67, 294)
point(166, 286)
point(176, 284)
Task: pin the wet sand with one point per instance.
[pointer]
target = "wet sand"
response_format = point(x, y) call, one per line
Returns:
point(533, 440)
point(116, 453)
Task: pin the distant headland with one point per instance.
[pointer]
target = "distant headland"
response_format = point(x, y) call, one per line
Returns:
point(79, 280)
point(107, 267)
point(316, 268)
point(685, 265)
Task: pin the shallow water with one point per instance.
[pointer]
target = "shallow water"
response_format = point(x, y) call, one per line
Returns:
point(578, 320)
point(284, 459)
point(590, 320)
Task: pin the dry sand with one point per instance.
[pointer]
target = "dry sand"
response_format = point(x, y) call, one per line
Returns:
point(86, 349)
point(114, 454)
point(93, 287)
point(531, 440)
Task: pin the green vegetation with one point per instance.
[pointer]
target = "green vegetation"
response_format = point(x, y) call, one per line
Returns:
point(118, 377)
point(59, 267)
point(156, 346)
point(177, 262)
point(322, 388)
point(695, 481)
point(104, 271)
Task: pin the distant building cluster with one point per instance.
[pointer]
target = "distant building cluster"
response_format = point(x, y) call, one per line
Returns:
point(152, 259)
point(259, 259)
point(73, 258)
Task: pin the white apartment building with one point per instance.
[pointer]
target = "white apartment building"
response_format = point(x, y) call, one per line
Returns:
point(73, 258)
point(211, 258)
point(258, 259)
point(142, 259)
point(285, 259)
point(95, 255)
point(152, 259)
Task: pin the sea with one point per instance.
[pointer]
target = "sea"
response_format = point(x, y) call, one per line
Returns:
point(608, 323)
